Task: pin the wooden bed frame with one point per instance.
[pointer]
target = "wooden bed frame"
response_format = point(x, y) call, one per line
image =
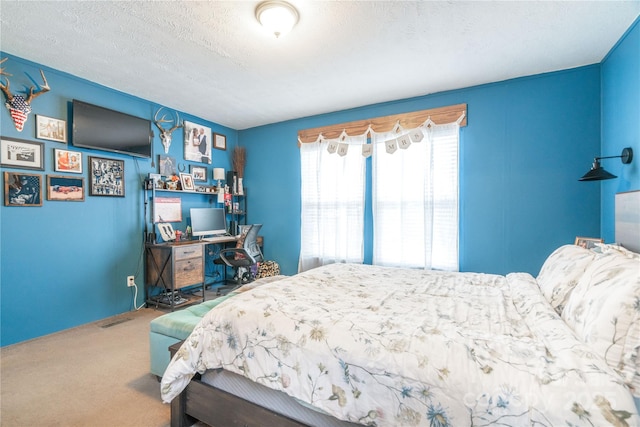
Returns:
point(203, 402)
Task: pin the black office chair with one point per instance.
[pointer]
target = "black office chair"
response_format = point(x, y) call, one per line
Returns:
point(246, 254)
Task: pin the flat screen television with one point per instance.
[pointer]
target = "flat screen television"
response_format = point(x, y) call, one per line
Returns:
point(208, 222)
point(108, 130)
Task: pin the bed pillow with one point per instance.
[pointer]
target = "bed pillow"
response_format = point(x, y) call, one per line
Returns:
point(604, 311)
point(561, 272)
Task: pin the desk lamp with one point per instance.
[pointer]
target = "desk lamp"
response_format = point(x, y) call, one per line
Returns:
point(218, 173)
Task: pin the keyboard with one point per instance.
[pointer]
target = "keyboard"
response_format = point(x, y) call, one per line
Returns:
point(219, 239)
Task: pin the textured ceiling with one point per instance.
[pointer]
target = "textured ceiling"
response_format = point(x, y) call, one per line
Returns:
point(213, 60)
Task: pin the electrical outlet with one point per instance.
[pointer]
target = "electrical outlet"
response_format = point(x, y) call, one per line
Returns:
point(131, 281)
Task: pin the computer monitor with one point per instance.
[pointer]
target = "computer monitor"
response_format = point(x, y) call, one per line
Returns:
point(208, 222)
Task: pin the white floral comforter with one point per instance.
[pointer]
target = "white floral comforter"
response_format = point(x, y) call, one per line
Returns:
point(393, 347)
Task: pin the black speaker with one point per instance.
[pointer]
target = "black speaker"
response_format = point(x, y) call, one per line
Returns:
point(232, 181)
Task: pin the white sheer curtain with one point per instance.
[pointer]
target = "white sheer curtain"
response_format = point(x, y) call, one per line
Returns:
point(332, 194)
point(415, 199)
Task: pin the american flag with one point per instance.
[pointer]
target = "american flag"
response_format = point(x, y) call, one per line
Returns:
point(19, 110)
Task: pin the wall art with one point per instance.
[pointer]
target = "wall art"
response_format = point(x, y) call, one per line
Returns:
point(106, 177)
point(166, 165)
point(51, 129)
point(65, 188)
point(219, 141)
point(197, 143)
point(67, 161)
point(18, 153)
point(22, 189)
point(199, 173)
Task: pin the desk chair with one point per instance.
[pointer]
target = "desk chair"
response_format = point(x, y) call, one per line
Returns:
point(245, 255)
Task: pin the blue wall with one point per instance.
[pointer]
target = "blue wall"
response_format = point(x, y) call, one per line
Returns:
point(526, 144)
point(66, 263)
point(620, 122)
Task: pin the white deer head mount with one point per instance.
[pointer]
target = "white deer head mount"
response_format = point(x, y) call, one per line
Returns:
point(165, 134)
point(19, 107)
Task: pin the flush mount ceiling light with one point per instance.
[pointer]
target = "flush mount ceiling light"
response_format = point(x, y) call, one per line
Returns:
point(597, 172)
point(278, 17)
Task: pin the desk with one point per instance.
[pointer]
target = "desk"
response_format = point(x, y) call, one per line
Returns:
point(175, 265)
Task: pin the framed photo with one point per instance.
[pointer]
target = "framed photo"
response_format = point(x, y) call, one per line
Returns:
point(18, 153)
point(22, 189)
point(51, 129)
point(199, 173)
point(219, 141)
point(166, 165)
point(106, 177)
point(67, 161)
point(187, 182)
point(65, 188)
point(197, 143)
point(587, 242)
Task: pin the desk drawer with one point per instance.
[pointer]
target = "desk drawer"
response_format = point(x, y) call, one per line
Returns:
point(188, 272)
point(189, 251)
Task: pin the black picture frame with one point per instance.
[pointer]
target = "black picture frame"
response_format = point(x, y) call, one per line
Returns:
point(106, 177)
point(21, 154)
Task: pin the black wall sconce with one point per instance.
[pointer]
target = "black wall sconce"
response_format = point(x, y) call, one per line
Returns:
point(597, 172)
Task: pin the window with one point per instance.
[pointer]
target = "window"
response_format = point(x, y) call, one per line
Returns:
point(332, 196)
point(415, 200)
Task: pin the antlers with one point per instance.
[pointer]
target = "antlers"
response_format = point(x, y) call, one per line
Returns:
point(32, 91)
point(158, 123)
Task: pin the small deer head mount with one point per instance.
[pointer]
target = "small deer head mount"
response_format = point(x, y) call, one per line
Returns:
point(165, 134)
point(19, 107)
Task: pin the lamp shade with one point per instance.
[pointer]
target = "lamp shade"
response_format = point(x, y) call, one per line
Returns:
point(597, 173)
point(218, 173)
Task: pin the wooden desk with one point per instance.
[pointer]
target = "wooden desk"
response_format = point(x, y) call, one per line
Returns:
point(176, 265)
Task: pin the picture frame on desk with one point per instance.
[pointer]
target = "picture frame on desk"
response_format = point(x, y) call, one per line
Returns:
point(186, 179)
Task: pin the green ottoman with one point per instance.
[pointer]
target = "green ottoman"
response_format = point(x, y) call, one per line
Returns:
point(176, 326)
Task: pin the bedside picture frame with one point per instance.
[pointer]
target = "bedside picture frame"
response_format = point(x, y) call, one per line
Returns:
point(65, 188)
point(186, 179)
point(51, 129)
point(106, 177)
point(18, 153)
point(587, 242)
point(22, 189)
point(219, 141)
point(199, 173)
point(67, 161)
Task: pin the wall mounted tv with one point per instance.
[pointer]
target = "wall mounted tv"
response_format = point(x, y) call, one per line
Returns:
point(108, 130)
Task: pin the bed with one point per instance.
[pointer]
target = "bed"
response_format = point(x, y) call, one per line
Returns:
point(364, 345)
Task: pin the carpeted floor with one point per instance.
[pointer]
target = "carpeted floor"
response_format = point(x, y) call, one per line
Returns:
point(92, 375)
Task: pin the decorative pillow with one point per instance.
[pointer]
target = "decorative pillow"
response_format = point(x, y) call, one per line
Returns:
point(561, 272)
point(604, 311)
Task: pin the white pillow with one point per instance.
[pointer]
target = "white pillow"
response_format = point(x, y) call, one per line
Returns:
point(561, 272)
point(604, 311)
